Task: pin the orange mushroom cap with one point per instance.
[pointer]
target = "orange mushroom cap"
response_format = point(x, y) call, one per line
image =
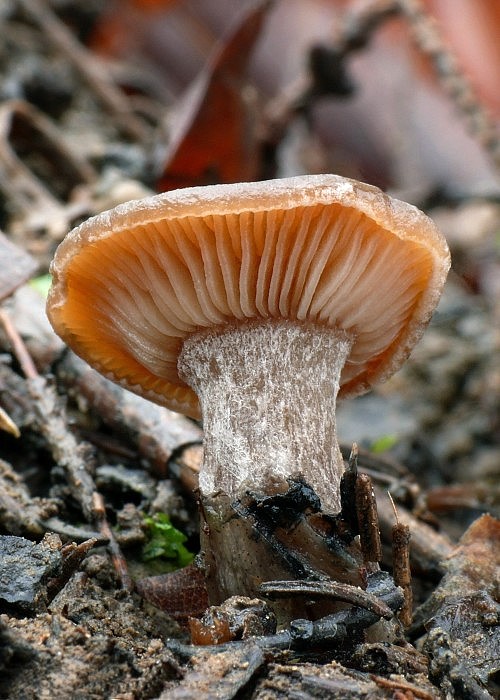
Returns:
point(130, 284)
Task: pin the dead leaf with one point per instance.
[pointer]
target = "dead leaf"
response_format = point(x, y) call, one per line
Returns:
point(212, 137)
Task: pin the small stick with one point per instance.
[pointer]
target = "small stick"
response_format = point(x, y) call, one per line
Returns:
point(73, 456)
point(67, 452)
point(358, 28)
point(52, 422)
point(117, 557)
point(366, 508)
point(87, 65)
point(24, 188)
point(348, 490)
point(405, 687)
point(19, 348)
point(327, 589)
point(401, 565)
point(355, 33)
point(428, 39)
point(429, 549)
point(157, 432)
point(303, 635)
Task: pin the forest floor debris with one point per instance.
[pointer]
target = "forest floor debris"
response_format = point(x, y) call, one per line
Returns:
point(93, 463)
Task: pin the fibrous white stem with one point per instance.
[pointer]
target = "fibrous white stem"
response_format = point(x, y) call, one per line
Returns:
point(268, 392)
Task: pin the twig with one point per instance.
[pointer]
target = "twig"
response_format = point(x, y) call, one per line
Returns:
point(404, 686)
point(366, 508)
point(305, 635)
point(157, 432)
point(22, 186)
point(429, 548)
point(74, 457)
point(19, 348)
point(357, 28)
point(348, 491)
point(359, 510)
point(429, 40)
point(91, 70)
point(29, 195)
point(401, 565)
point(327, 589)
point(117, 557)
point(327, 69)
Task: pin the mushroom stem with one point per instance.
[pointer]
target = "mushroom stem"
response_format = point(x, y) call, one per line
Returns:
point(268, 392)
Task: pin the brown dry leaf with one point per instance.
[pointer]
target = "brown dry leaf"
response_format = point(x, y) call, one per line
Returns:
point(181, 594)
point(115, 32)
point(153, 5)
point(212, 137)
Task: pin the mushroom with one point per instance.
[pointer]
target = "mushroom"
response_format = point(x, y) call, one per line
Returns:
point(252, 306)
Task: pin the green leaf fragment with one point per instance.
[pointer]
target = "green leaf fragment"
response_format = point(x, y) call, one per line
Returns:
point(383, 443)
point(41, 284)
point(166, 542)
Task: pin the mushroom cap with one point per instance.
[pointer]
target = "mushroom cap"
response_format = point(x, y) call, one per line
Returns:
point(130, 284)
